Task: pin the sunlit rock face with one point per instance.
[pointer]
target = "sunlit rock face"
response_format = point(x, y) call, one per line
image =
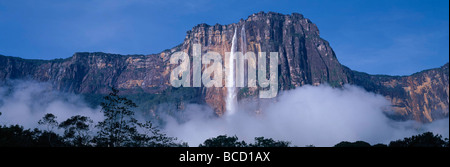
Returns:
point(304, 58)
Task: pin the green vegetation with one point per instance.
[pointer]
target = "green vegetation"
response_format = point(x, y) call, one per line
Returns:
point(427, 139)
point(225, 141)
point(119, 126)
point(243, 92)
point(118, 129)
point(77, 130)
point(354, 144)
point(151, 101)
point(17, 136)
point(263, 142)
point(121, 129)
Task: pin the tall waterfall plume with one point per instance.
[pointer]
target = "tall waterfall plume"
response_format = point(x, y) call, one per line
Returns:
point(231, 100)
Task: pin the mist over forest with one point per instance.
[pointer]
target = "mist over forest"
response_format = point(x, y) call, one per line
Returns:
point(308, 115)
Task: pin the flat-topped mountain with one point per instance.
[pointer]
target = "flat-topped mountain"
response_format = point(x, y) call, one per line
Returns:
point(304, 59)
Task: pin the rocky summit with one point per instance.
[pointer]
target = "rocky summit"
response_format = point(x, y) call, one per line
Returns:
point(304, 59)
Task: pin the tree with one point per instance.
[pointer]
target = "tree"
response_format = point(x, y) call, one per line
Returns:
point(223, 141)
point(354, 144)
point(263, 142)
point(17, 136)
point(48, 139)
point(121, 129)
point(152, 137)
point(427, 139)
point(119, 125)
point(380, 145)
point(76, 130)
point(49, 120)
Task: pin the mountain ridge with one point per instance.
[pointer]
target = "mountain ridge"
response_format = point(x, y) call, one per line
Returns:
point(304, 59)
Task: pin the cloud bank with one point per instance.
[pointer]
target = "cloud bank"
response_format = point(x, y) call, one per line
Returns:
point(26, 102)
point(317, 115)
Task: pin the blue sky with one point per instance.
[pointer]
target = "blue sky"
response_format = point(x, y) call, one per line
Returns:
point(378, 37)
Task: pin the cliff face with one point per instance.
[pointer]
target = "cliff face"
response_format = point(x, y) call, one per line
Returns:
point(304, 58)
point(423, 96)
point(90, 72)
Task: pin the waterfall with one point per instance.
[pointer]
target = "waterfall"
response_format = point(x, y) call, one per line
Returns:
point(243, 40)
point(244, 50)
point(231, 99)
